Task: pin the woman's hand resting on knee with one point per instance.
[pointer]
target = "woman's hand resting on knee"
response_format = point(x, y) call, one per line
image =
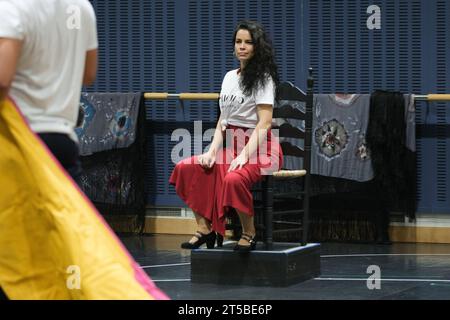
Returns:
point(207, 160)
point(238, 162)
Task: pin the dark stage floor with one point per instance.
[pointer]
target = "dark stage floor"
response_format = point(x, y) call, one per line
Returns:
point(408, 271)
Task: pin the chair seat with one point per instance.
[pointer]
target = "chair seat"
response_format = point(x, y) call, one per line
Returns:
point(289, 174)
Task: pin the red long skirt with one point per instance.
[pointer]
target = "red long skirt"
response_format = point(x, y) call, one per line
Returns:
point(212, 192)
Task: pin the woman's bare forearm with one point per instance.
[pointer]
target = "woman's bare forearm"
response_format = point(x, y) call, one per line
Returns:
point(257, 138)
point(217, 139)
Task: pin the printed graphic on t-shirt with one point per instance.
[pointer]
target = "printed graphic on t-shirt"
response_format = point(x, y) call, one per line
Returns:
point(229, 99)
point(121, 124)
point(331, 138)
point(362, 151)
point(87, 113)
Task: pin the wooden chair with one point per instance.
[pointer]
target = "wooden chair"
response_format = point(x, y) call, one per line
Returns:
point(286, 209)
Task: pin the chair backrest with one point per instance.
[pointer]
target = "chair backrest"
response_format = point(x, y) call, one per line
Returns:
point(290, 119)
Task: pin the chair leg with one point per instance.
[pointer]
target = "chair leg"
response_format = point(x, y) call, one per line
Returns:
point(305, 222)
point(267, 187)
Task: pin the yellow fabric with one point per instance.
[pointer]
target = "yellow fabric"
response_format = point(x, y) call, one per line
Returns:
point(49, 230)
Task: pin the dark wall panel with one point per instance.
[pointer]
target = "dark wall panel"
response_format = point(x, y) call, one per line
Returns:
point(185, 46)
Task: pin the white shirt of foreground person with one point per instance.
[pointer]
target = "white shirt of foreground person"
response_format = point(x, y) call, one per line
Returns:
point(239, 109)
point(56, 35)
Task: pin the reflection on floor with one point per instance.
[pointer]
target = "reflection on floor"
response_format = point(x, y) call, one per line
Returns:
point(348, 271)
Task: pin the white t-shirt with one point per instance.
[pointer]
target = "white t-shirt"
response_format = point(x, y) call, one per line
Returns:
point(56, 35)
point(239, 109)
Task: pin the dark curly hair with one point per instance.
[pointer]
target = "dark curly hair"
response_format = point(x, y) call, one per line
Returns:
point(262, 63)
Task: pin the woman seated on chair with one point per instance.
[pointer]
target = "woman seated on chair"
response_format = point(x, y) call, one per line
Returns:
point(220, 180)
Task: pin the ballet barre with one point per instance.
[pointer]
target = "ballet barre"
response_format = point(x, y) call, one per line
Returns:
point(432, 97)
point(215, 96)
point(180, 96)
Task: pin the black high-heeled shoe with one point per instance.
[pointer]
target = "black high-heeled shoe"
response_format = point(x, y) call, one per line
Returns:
point(219, 240)
point(209, 239)
point(248, 248)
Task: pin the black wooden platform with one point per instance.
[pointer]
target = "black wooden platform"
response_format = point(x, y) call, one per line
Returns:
point(284, 265)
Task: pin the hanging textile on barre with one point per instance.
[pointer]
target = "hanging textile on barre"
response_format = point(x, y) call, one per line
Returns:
point(112, 149)
point(392, 156)
point(339, 147)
